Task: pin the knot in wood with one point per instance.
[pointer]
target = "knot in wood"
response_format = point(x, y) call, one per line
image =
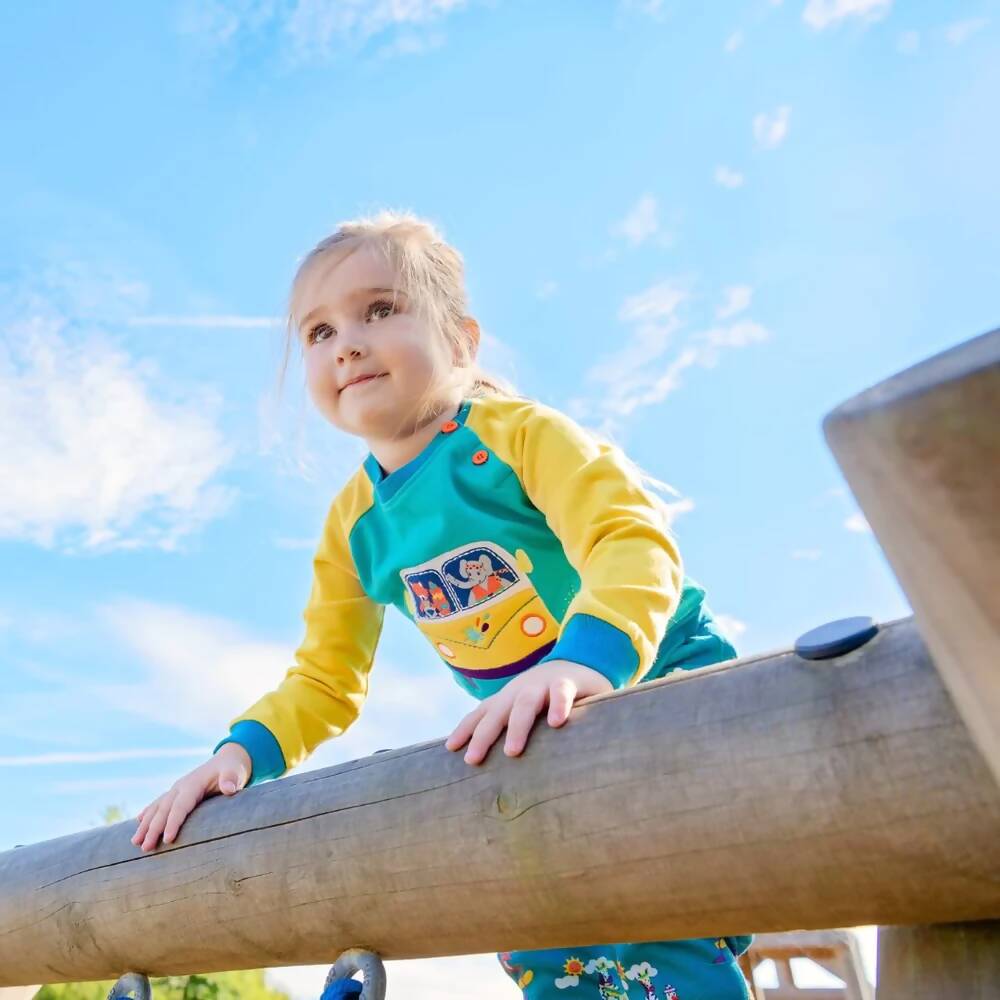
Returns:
point(506, 805)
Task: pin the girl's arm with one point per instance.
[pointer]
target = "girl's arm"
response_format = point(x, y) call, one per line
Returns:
point(612, 531)
point(322, 694)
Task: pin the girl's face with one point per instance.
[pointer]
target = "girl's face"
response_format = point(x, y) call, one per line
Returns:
point(351, 329)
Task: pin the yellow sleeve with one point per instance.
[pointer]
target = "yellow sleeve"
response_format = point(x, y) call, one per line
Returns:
point(611, 529)
point(322, 694)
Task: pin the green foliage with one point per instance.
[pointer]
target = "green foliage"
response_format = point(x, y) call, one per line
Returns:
point(246, 985)
point(112, 815)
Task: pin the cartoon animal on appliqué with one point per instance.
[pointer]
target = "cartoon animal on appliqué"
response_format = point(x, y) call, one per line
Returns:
point(423, 596)
point(440, 599)
point(517, 972)
point(643, 974)
point(669, 993)
point(480, 578)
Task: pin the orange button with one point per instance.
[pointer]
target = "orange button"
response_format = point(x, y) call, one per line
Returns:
point(449, 427)
point(480, 457)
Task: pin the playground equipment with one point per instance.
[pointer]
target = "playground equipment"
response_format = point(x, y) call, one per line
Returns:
point(776, 792)
point(835, 951)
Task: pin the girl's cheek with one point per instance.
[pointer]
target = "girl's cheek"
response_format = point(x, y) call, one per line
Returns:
point(321, 384)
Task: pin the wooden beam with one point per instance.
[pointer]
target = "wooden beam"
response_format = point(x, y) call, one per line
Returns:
point(778, 793)
point(921, 452)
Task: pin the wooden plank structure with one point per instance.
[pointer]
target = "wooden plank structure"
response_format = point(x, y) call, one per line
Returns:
point(768, 794)
point(835, 951)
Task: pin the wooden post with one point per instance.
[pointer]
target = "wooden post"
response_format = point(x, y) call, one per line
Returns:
point(775, 793)
point(950, 960)
point(921, 452)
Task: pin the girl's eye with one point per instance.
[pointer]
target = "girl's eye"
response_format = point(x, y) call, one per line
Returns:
point(317, 332)
point(381, 307)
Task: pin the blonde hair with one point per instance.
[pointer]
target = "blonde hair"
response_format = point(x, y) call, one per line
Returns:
point(431, 273)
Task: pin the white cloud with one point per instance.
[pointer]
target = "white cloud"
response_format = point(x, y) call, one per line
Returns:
point(810, 554)
point(178, 651)
point(209, 322)
point(908, 42)
point(100, 756)
point(641, 223)
point(858, 523)
point(769, 130)
point(960, 31)
point(655, 313)
point(732, 628)
point(703, 350)
point(635, 374)
point(647, 343)
point(820, 14)
point(728, 178)
point(97, 450)
point(649, 384)
point(740, 334)
point(411, 45)
point(656, 303)
point(149, 784)
point(737, 300)
point(319, 29)
point(652, 8)
point(734, 41)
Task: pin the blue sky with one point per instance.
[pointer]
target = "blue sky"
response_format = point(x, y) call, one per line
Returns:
point(695, 227)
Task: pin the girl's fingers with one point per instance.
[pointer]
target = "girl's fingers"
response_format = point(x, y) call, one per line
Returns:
point(156, 826)
point(489, 728)
point(562, 694)
point(522, 717)
point(179, 812)
point(144, 818)
point(465, 728)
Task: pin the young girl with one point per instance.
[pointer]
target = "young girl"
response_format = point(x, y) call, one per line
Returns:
point(527, 551)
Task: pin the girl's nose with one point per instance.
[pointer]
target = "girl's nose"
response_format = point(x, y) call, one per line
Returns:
point(350, 352)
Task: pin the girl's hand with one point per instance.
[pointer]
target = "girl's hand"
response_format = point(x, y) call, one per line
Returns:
point(226, 773)
point(557, 683)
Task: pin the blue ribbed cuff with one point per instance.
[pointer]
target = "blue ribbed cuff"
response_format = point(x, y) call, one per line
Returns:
point(266, 759)
point(599, 645)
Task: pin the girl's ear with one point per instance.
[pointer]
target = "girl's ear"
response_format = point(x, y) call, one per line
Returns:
point(471, 327)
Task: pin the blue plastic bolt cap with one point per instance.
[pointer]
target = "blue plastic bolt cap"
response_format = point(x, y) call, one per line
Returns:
point(341, 989)
point(835, 638)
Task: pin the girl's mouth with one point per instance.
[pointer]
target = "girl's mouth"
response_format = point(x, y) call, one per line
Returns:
point(365, 381)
